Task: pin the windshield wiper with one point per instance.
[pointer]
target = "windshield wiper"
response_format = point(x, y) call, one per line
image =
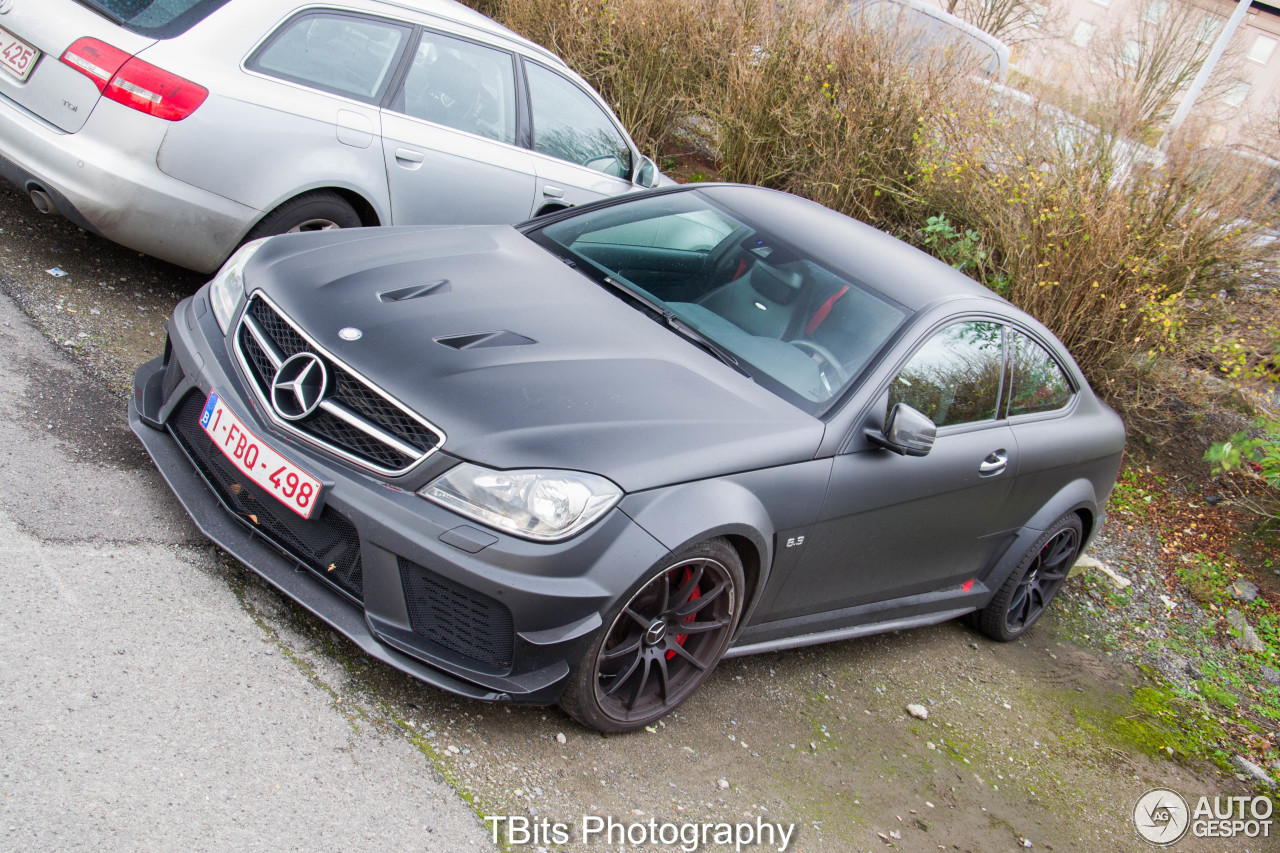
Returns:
point(674, 322)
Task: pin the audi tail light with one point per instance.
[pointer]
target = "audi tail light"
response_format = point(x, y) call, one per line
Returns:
point(134, 82)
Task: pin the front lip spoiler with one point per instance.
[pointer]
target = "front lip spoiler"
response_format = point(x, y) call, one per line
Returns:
point(282, 573)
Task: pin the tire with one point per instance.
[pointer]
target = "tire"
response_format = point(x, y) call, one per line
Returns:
point(1029, 589)
point(319, 210)
point(637, 670)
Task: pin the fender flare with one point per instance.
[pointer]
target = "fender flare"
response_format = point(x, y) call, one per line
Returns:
point(711, 508)
point(1073, 497)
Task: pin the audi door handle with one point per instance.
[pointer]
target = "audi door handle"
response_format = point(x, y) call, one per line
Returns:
point(406, 155)
point(552, 192)
point(994, 463)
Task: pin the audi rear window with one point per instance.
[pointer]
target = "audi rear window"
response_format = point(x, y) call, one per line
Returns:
point(160, 19)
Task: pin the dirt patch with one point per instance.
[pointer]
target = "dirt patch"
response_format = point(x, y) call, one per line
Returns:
point(107, 311)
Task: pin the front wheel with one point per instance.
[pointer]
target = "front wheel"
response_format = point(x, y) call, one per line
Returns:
point(1026, 593)
point(661, 643)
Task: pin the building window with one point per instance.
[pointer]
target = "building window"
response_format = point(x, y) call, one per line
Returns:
point(1155, 11)
point(1083, 33)
point(1131, 53)
point(1207, 29)
point(1036, 13)
point(1102, 2)
point(1236, 93)
point(1261, 49)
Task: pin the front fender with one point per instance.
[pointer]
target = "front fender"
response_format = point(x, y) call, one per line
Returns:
point(752, 509)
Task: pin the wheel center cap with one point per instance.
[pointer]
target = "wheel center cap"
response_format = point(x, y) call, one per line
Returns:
point(656, 632)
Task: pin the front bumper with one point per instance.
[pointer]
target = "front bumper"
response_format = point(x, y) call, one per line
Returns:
point(104, 178)
point(470, 611)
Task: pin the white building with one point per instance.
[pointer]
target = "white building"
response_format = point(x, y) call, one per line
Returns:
point(1243, 107)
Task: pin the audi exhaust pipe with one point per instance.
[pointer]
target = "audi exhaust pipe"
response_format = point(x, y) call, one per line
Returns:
point(42, 201)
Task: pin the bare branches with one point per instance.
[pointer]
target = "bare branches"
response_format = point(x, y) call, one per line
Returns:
point(1012, 21)
point(1140, 69)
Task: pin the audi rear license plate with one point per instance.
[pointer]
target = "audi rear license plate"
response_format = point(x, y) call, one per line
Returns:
point(17, 57)
point(283, 480)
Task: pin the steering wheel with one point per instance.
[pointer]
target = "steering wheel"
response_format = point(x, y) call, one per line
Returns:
point(826, 361)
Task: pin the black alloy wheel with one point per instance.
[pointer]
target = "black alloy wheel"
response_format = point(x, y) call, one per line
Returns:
point(1026, 593)
point(662, 643)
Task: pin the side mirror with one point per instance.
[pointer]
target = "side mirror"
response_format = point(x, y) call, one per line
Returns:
point(907, 432)
point(646, 174)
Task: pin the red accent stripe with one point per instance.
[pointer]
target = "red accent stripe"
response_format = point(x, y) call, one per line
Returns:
point(822, 312)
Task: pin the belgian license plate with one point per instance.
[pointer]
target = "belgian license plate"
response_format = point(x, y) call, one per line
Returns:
point(285, 481)
point(17, 57)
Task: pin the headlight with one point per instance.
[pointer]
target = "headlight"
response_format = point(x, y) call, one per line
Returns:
point(227, 287)
point(536, 504)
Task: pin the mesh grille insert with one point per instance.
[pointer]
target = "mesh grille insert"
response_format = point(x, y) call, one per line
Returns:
point(328, 544)
point(457, 617)
point(345, 388)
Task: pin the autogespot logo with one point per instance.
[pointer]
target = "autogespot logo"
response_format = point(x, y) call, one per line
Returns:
point(1161, 816)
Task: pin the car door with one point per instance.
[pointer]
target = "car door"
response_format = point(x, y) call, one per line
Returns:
point(449, 137)
point(899, 525)
point(579, 154)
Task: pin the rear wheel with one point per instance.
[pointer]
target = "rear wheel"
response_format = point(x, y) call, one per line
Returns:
point(321, 210)
point(662, 643)
point(1026, 594)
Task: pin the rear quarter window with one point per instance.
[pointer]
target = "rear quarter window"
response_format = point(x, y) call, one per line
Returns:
point(160, 19)
point(1039, 383)
point(334, 52)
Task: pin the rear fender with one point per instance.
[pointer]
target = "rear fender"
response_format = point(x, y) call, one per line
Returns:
point(1075, 496)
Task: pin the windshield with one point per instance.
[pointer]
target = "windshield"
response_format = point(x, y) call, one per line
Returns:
point(155, 18)
point(793, 324)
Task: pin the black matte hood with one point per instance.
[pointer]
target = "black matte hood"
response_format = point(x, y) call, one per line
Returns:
point(524, 362)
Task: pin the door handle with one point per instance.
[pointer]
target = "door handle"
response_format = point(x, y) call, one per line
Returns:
point(552, 192)
point(994, 463)
point(406, 155)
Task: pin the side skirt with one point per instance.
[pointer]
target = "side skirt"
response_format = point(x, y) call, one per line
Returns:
point(846, 633)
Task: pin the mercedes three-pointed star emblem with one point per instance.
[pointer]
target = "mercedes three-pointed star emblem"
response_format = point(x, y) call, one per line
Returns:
point(299, 386)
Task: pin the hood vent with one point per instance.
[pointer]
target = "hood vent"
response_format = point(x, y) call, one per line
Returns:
point(485, 340)
point(415, 291)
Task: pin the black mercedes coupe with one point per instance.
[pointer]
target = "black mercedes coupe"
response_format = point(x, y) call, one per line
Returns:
point(583, 459)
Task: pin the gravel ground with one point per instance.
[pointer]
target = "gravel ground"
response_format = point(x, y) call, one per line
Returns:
point(1014, 751)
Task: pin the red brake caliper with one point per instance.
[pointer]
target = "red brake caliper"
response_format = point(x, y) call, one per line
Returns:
point(694, 596)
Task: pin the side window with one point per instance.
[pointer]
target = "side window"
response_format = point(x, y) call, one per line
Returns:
point(569, 125)
point(338, 53)
point(1038, 385)
point(955, 377)
point(461, 85)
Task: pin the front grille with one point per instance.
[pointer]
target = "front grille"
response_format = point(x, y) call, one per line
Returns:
point(328, 544)
point(376, 432)
point(457, 617)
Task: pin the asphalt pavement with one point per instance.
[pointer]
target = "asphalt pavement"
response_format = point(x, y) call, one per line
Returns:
point(142, 707)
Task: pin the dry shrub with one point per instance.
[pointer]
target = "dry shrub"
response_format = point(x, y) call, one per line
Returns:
point(817, 107)
point(1123, 259)
point(650, 59)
